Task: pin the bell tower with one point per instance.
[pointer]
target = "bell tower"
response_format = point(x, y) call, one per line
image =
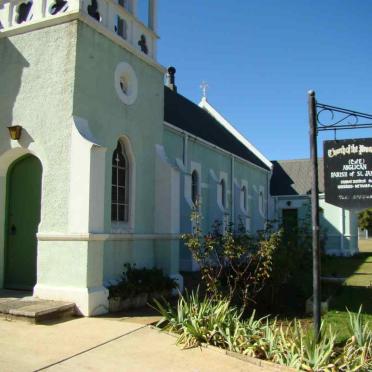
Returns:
point(79, 77)
point(134, 21)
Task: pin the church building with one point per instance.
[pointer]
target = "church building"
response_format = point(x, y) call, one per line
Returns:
point(100, 163)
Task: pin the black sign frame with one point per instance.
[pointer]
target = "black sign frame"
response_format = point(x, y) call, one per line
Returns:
point(336, 118)
point(348, 173)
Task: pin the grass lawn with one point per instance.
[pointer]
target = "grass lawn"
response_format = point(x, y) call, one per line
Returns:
point(351, 298)
point(357, 269)
point(355, 291)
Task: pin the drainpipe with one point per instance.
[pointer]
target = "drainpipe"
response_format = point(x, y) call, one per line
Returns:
point(185, 144)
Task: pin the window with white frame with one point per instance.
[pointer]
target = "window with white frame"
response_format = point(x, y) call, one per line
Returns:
point(223, 193)
point(120, 185)
point(195, 187)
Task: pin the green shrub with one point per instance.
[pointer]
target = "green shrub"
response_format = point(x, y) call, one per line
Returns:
point(233, 264)
point(137, 281)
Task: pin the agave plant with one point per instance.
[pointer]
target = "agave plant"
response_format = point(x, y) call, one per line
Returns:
point(197, 321)
point(359, 328)
point(357, 353)
point(214, 321)
point(317, 354)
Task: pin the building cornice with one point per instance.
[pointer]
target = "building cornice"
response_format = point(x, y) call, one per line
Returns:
point(103, 237)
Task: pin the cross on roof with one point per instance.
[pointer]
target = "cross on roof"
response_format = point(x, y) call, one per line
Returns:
point(204, 87)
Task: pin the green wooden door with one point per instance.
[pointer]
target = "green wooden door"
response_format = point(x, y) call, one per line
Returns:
point(23, 217)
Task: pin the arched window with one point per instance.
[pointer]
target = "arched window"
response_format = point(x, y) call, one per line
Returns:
point(194, 187)
point(120, 185)
point(223, 193)
point(244, 197)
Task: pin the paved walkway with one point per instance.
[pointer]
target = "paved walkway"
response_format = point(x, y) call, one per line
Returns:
point(103, 344)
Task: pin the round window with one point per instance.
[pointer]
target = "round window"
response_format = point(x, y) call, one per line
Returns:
point(126, 84)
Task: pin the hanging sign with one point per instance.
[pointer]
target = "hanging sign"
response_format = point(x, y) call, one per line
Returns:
point(348, 173)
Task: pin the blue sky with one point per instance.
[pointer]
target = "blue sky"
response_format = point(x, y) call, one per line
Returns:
point(260, 57)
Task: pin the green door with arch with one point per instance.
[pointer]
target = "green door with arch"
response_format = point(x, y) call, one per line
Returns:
point(23, 217)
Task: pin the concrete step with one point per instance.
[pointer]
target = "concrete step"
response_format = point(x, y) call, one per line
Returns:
point(35, 310)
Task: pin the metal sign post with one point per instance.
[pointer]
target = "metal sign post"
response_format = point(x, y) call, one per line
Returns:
point(338, 119)
point(315, 212)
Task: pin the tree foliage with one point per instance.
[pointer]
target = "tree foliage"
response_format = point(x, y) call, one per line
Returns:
point(365, 219)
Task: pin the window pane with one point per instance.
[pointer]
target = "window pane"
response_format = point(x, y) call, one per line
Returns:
point(194, 186)
point(121, 194)
point(114, 176)
point(121, 162)
point(121, 177)
point(113, 213)
point(114, 194)
point(119, 186)
point(121, 213)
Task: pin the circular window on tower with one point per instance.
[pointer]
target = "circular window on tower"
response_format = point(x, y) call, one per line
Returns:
point(126, 84)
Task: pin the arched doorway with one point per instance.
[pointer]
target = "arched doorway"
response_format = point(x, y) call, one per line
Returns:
point(22, 220)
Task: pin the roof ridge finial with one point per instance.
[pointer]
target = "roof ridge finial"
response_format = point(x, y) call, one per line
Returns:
point(204, 87)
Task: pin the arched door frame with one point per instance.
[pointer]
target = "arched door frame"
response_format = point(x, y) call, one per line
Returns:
point(7, 160)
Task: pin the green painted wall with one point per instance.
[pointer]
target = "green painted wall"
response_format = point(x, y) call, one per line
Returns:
point(96, 100)
point(173, 144)
point(37, 79)
point(256, 178)
point(218, 161)
point(331, 222)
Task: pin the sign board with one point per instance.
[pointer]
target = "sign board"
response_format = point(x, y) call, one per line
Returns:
point(348, 173)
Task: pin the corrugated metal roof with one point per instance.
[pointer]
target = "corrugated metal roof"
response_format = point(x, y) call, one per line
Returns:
point(188, 116)
point(293, 177)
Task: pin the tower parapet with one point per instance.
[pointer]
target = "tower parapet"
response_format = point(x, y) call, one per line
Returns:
point(118, 19)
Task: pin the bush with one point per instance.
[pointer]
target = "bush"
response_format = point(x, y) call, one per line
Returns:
point(233, 264)
point(290, 282)
point(137, 281)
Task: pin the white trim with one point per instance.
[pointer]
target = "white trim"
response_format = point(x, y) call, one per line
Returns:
point(180, 165)
point(204, 104)
point(125, 70)
point(211, 145)
point(55, 237)
point(87, 170)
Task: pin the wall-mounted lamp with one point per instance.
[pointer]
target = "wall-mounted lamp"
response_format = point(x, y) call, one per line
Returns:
point(15, 132)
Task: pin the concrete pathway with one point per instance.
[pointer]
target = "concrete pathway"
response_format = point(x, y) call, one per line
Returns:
point(103, 344)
